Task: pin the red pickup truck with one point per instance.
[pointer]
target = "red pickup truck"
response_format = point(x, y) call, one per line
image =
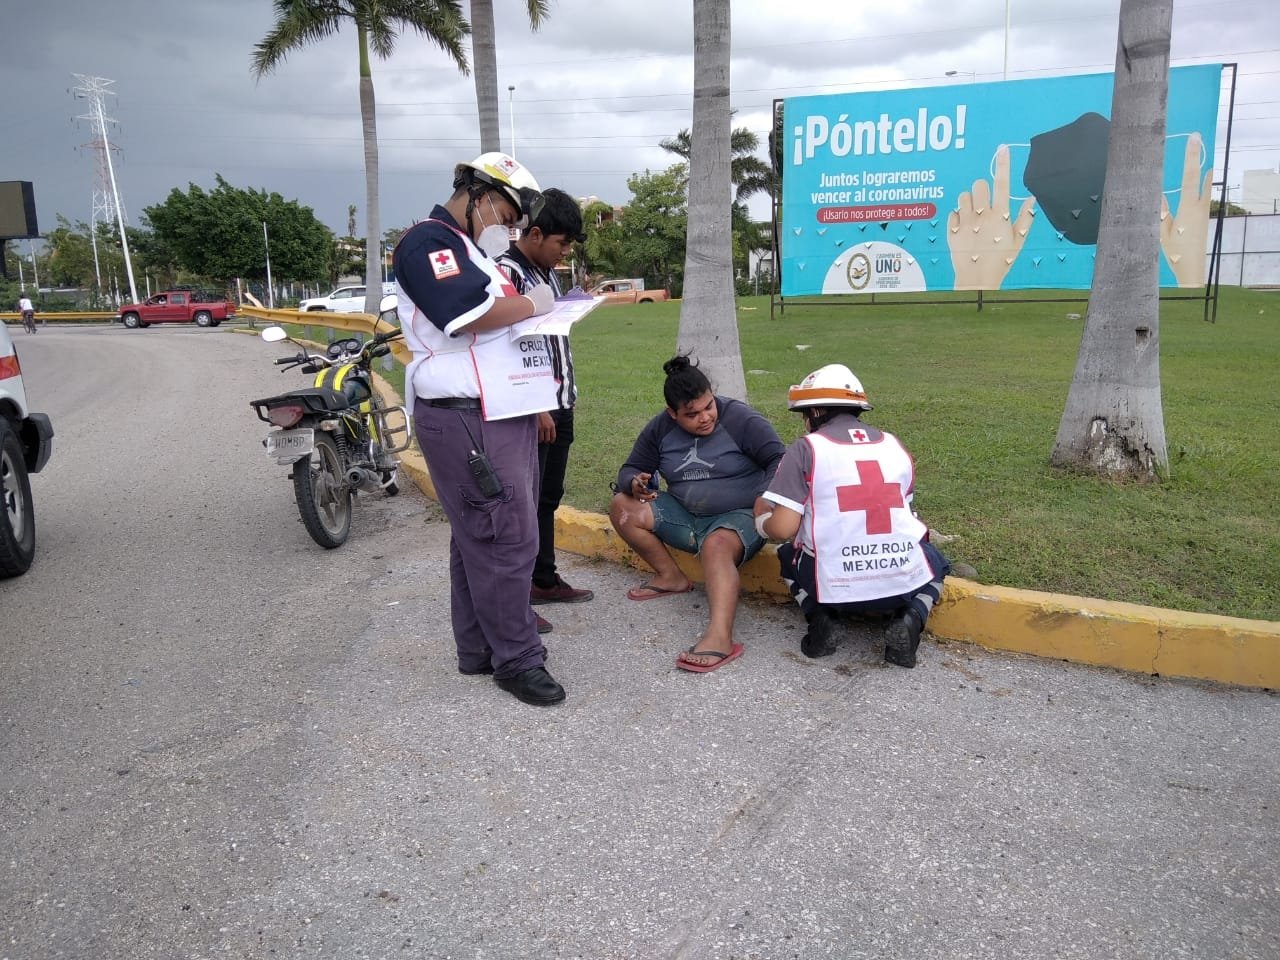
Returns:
point(175, 306)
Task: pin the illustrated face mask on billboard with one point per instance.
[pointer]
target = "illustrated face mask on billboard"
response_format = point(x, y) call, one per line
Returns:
point(1065, 173)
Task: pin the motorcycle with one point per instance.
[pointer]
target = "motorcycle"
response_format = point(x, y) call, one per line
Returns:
point(338, 434)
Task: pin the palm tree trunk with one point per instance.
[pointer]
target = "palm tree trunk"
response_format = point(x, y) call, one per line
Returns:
point(1113, 424)
point(708, 313)
point(484, 60)
point(373, 224)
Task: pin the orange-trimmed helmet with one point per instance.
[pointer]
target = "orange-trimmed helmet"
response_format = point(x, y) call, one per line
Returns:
point(831, 386)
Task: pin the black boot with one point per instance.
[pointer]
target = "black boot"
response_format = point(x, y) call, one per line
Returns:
point(818, 641)
point(902, 637)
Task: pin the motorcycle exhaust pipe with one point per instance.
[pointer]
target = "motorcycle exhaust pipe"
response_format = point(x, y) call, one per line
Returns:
point(363, 479)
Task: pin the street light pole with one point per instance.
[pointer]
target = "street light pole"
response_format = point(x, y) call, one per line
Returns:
point(31, 248)
point(271, 293)
point(511, 112)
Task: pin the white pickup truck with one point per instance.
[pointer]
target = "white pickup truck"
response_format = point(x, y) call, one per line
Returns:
point(350, 300)
point(26, 443)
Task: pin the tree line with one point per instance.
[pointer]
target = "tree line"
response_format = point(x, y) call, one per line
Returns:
point(213, 237)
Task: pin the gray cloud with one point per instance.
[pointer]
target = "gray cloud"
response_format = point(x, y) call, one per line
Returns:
point(596, 89)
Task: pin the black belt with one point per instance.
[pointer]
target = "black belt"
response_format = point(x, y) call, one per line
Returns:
point(453, 403)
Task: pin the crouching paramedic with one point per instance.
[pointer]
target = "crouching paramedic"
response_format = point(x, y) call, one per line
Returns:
point(842, 497)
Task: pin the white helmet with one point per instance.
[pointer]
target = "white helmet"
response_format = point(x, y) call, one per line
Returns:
point(504, 173)
point(831, 386)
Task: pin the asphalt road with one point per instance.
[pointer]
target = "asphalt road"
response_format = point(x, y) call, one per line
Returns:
point(220, 740)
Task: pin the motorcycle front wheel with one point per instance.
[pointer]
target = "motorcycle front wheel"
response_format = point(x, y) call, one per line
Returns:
point(324, 499)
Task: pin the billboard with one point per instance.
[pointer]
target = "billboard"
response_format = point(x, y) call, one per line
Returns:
point(979, 186)
point(17, 210)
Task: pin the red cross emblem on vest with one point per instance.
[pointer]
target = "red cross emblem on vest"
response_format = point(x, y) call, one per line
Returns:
point(858, 436)
point(444, 265)
point(877, 497)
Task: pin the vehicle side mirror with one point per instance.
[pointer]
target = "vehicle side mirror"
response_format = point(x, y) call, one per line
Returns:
point(274, 334)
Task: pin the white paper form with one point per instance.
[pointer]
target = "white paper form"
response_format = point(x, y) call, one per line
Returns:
point(559, 321)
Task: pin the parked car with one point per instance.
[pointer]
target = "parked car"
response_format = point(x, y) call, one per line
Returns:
point(350, 300)
point(176, 306)
point(628, 291)
point(26, 443)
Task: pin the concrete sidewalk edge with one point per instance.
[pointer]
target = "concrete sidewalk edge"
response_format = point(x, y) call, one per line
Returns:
point(1104, 633)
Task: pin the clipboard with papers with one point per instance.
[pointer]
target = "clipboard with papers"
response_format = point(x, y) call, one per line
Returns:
point(568, 310)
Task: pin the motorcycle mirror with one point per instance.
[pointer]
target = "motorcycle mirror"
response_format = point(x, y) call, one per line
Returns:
point(274, 334)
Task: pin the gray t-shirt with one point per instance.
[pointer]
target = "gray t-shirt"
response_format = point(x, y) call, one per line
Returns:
point(725, 470)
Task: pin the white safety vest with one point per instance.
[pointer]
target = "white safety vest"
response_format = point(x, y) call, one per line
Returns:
point(510, 376)
point(858, 524)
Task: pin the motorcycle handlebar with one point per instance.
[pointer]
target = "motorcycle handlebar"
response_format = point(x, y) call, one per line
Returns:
point(302, 358)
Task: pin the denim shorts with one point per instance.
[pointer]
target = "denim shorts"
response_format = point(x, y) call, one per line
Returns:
point(677, 527)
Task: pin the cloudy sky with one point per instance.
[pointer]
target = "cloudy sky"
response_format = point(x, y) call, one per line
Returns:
point(595, 89)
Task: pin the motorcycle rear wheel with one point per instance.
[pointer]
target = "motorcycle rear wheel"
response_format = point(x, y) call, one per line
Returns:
point(324, 499)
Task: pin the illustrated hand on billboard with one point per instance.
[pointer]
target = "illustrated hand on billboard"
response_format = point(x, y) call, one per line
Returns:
point(983, 239)
point(1183, 237)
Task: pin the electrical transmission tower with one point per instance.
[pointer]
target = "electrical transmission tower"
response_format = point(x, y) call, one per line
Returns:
point(107, 204)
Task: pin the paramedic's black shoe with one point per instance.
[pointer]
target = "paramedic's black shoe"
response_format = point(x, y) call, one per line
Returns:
point(534, 686)
point(818, 641)
point(902, 638)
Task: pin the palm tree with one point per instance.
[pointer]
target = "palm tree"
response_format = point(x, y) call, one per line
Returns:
point(1113, 424)
point(378, 25)
point(747, 172)
point(708, 313)
point(484, 56)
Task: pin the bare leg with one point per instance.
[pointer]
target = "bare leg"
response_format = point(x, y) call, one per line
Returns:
point(720, 555)
point(634, 522)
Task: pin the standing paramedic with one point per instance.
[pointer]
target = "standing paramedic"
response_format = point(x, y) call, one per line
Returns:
point(529, 262)
point(476, 393)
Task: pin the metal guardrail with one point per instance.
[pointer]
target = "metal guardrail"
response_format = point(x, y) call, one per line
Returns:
point(355, 322)
point(43, 316)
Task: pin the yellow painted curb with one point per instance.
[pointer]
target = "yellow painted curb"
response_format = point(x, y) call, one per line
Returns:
point(1104, 633)
point(1127, 636)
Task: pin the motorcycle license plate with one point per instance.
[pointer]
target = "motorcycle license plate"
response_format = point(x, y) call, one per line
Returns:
point(291, 444)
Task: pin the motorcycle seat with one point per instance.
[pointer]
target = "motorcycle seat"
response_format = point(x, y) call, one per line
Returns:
point(316, 399)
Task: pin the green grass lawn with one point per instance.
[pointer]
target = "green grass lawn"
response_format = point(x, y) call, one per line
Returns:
point(976, 398)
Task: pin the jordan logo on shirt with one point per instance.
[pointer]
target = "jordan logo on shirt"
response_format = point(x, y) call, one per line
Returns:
point(689, 460)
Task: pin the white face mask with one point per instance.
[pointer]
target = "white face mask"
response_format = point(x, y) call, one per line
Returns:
point(494, 239)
